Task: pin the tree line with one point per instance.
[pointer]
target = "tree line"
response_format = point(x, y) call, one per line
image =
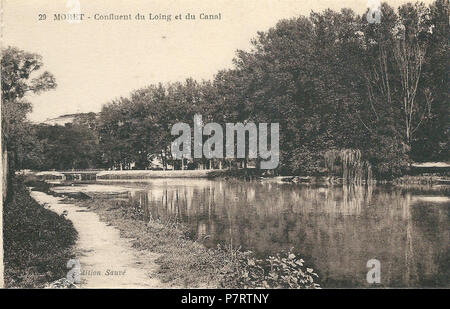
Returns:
point(332, 80)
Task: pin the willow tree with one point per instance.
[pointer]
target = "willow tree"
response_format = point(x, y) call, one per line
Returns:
point(349, 163)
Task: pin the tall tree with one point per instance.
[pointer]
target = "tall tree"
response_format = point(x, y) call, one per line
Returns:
point(396, 89)
point(19, 78)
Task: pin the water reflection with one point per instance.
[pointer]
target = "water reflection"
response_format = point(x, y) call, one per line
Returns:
point(338, 229)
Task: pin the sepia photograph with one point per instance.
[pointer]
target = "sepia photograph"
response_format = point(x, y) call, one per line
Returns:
point(206, 146)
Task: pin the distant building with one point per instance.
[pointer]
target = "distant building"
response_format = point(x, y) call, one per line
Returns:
point(436, 168)
point(69, 118)
point(61, 120)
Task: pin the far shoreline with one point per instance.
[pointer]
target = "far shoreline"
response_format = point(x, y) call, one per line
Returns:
point(435, 177)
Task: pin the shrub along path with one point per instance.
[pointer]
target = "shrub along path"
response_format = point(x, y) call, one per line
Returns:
point(107, 260)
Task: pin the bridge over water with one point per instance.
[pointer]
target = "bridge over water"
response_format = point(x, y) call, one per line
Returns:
point(59, 176)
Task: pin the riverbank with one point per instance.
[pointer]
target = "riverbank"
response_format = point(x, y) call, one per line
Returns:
point(422, 180)
point(245, 174)
point(144, 174)
point(182, 262)
point(403, 180)
point(56, 177)
point(106, 260)
point(37, 242)
point(188, 263)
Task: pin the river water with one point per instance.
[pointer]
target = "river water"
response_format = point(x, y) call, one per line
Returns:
point(336, 229)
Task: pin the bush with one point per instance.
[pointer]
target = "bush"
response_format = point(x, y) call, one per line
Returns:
point(285, 271)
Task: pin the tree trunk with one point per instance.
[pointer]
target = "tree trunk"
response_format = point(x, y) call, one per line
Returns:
point(6, 180)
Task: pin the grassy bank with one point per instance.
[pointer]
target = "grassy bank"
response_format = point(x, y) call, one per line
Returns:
point(422, 180)
point(187, 263)
point(146, 174)
point(37, 242)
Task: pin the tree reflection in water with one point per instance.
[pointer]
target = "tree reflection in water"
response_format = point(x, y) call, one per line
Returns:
point(336, 228)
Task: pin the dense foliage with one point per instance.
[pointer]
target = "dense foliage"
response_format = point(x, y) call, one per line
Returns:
point(332, 80)
point(19, 77)
point(60, 147)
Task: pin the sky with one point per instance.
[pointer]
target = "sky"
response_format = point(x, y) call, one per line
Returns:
point(96, 61)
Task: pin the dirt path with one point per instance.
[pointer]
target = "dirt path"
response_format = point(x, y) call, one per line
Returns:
point(107, 260)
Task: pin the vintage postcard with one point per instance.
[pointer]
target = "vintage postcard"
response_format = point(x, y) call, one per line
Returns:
point(260, 144)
